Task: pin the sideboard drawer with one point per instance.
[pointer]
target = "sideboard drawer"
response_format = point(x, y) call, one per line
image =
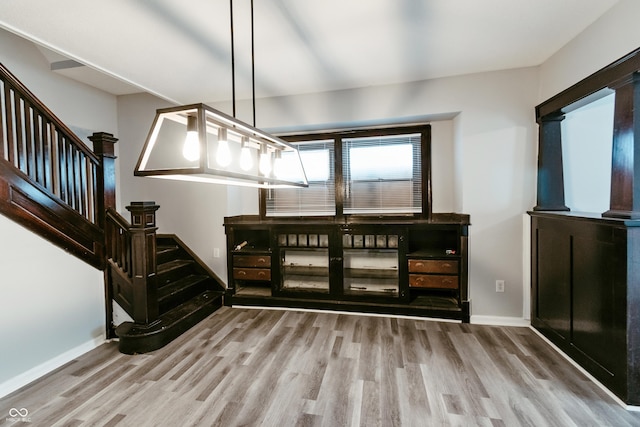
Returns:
point(263, 261)
point(433, 266)
point(433, 281)
point(252, 273)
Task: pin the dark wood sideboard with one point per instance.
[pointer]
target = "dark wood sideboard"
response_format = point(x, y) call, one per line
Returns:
point(399, 266)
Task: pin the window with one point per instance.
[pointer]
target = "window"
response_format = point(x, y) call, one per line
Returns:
point(360, 172)
point(382, 174)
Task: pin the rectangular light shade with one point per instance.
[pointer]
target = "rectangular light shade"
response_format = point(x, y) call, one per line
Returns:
point(222, 150)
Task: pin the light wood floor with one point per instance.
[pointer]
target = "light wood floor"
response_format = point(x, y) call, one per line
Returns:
point(287, 368)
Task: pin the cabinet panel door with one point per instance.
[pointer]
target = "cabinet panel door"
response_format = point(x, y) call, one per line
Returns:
point(554, 276)
point(595, 332)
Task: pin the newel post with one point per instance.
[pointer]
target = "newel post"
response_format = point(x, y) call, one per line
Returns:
point(104, 148)
point(143, 268)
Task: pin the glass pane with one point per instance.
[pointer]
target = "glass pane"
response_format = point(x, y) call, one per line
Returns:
point(316, 164)
point(319, 198)
point(371, 271)
point(381, 162)
point(383, 174)
point(168, 146)
point(305, 270)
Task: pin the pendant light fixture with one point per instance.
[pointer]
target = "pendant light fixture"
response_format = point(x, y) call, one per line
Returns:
point(199, 143)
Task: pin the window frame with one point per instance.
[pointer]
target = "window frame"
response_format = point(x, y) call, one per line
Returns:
point(337, 136)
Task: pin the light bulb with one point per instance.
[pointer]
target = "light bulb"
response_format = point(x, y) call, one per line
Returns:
point(246, 160)
point(265, 163)
point(223, 155)
point(191, 147)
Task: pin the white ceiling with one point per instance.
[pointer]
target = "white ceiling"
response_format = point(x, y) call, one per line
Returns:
point(180, 50)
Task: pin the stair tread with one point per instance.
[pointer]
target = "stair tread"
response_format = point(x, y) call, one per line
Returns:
point(168, 248)
point(173, 264)
point(171, 317)
point(189, 306)
point(176, 286)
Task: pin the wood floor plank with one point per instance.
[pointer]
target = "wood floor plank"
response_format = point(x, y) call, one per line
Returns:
point(416, 394)
point(370, 409)
point(286, 405)
point(291, 368)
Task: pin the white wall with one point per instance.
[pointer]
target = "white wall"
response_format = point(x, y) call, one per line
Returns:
point(611, 37)
point(53, 304)
point(493, 176)
point(484, 165)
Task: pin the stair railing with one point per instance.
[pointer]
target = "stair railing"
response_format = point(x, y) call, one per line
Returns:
point(131, 254)
point(50, 181)
point(118, 237)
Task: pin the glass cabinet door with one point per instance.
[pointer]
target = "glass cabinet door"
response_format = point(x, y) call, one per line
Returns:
point(370, 264)
point(371, 271)
point(305, 269)
point(304, 262)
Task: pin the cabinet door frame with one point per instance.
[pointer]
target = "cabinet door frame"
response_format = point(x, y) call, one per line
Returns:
point(276, 264)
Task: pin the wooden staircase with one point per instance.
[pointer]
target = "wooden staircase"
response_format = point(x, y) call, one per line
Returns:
point(187, 293)
point(54, 185)
point(157, 280)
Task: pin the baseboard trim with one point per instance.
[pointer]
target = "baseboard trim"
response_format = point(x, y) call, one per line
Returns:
point(50, 365)
point(499, 321)
point(353, 313)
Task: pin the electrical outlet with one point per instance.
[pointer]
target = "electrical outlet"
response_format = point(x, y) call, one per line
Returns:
point(499, 285)
point(216, 252)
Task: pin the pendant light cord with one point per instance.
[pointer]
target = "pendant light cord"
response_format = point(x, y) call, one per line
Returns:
point(233, 65)
point(233, 62)
point(253, 70)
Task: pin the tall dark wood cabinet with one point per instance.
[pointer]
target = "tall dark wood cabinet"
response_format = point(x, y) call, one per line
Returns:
point(586, 294)
point(395, 266)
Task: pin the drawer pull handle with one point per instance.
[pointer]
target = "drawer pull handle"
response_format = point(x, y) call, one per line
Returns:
point(419, 264)
point(242, 272)
point(261, 260)
point(261, 274)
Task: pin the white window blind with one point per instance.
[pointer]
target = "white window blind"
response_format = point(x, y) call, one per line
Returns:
point(319, 198)
point(382, 174)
